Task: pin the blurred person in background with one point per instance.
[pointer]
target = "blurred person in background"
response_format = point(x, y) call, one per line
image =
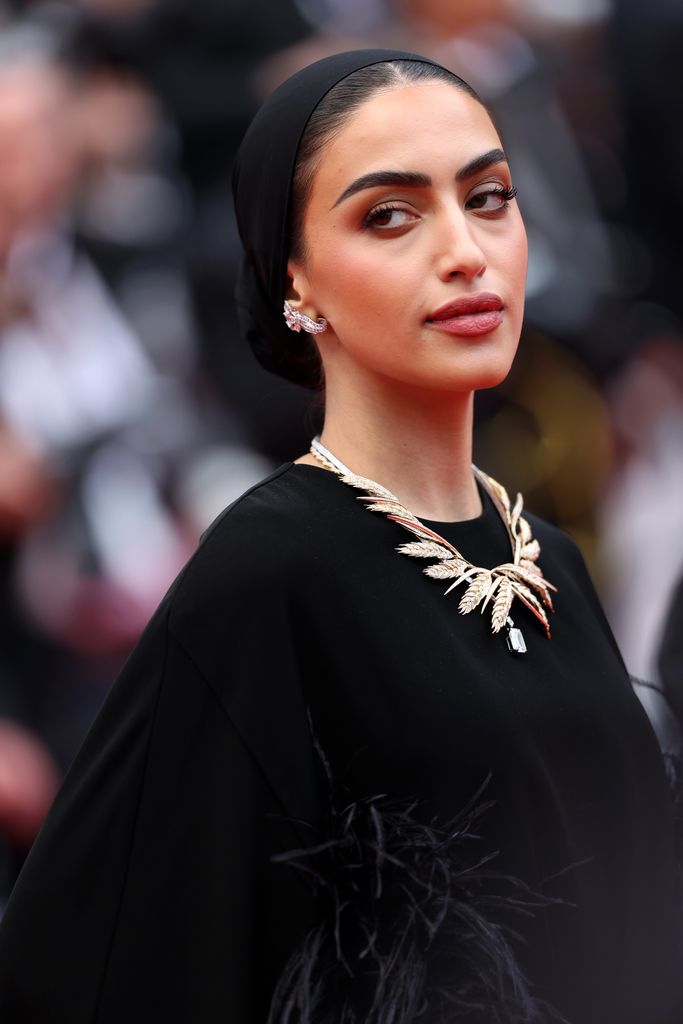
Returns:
point(73, 377)
point(108, 466)
point(645, 43)
point(108, 413)
point(200, 60)
point(641, 512)
point(34, 166)
point(670, 654)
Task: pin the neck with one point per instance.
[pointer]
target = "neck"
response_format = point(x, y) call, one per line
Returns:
point(415, 442)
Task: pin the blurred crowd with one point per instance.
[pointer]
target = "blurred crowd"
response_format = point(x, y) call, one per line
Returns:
point(130, 411)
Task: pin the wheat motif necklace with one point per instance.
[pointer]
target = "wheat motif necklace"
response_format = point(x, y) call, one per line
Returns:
point(519, 578)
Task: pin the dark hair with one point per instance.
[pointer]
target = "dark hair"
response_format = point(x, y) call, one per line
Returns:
point(328, 118)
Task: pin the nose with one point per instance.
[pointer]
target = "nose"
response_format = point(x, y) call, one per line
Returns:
point(460, 251)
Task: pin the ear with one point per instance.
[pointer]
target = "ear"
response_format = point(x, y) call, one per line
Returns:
point(298, 290)
point(299, 294)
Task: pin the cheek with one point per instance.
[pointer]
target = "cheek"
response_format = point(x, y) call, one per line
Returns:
point(519, 252)
point(511, 267)
point(358, 283)
point(365, 280)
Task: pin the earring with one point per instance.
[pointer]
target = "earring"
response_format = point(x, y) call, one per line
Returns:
point(297, 321)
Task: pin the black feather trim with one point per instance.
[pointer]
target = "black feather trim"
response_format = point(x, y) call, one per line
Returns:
point(409, 931)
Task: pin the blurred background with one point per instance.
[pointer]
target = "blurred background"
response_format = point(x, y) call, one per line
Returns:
point(130, 411)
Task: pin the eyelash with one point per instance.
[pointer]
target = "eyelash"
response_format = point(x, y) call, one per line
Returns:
point(378, 211)
point(507, 194)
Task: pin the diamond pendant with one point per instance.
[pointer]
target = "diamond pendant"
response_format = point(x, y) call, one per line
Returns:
point(515, 638)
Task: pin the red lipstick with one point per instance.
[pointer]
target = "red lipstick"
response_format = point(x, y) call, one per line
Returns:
point(469, 315)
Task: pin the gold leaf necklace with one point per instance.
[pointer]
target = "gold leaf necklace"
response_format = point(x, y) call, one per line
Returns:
point(521, 577)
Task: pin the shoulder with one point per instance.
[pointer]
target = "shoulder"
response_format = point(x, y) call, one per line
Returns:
point(564, 565)
point(554, 541)
point(269, 522)
point(258, 552)
point(261, 520)
point(560, 550)
point(261, 508)
point(561, 557)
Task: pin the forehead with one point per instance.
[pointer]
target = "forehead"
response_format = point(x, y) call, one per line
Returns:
point(431, 127)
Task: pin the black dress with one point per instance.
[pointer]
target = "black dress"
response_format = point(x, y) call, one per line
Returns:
point(297, 637)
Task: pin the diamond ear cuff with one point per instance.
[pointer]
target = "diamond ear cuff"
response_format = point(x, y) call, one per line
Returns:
point(297, 321)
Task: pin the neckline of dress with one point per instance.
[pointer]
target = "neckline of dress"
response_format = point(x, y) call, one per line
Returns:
point(487, 515)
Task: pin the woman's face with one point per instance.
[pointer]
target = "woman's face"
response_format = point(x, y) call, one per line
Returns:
point(408, 214)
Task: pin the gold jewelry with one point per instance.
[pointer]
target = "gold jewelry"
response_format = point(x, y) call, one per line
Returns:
point(520, 578)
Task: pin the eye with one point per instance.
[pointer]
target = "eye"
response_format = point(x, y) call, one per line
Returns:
point(492, 200)
point(388, 216)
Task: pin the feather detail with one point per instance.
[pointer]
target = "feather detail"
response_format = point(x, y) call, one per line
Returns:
point(408, 928)
point(475, 592)
point(502, 604)
point(445, 570)
point(424, 549)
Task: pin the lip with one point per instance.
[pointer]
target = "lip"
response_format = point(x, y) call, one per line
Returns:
point(469, 315)
point(484, 302)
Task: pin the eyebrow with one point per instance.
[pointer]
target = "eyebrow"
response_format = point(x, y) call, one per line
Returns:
point(414, 179)
point(481, 163)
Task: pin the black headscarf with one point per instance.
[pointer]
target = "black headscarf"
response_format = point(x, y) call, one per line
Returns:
point(262, 182)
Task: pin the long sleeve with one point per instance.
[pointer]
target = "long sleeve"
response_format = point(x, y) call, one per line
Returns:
point(150, 893)
point(66, 904)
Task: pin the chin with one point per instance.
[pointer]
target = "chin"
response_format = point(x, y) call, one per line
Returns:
point(491, 379)
point(479, 374)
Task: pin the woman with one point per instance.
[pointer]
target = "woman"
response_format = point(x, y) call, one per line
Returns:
point(318, 792)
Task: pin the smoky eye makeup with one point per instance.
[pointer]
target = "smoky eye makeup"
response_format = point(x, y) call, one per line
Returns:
point(500, 195)
point(388, 215)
